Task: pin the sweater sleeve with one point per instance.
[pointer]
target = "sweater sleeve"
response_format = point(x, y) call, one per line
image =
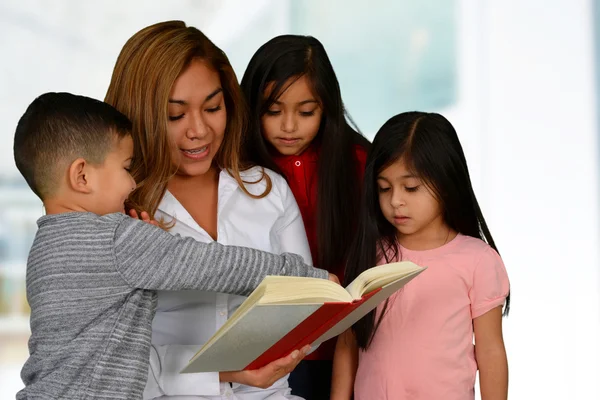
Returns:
point(149, 258)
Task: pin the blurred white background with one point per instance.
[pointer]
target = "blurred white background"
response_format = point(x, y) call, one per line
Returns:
point(518, 79)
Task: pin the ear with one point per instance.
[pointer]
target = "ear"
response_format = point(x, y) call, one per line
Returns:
point(79, 176)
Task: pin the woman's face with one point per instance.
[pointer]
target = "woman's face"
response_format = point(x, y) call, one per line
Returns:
point(197, 118)
point(293, 121)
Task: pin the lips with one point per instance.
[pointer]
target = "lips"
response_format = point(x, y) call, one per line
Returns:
point(400, 219)
point(197, 153)
point(196, 150)
point(288, 141)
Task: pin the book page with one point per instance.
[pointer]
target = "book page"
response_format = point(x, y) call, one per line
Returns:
point(297, 290)
point(285, 290)
point(380, 276)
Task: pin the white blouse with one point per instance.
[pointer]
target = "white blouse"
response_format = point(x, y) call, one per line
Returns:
point(187, 319)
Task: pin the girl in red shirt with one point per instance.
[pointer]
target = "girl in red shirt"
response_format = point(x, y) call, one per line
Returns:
point(299, 129)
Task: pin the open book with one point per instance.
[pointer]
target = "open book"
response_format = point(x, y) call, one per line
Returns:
point(286, 313)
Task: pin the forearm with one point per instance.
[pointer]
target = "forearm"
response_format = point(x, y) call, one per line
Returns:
point(493, 373)
point(345, 364)
point(150, 258)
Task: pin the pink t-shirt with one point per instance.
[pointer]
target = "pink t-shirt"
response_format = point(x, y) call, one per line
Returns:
point(424, 348)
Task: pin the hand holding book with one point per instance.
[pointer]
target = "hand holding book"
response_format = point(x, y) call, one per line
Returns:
point(286, 313)
point(266, 376)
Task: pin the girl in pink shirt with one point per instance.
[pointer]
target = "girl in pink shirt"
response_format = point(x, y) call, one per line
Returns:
point(419, 205)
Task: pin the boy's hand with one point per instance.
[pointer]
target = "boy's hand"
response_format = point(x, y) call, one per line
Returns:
point(334, 278)
point(144, 216)
point(266, 376)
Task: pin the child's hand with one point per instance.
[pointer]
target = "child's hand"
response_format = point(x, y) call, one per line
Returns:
point(266, 376)
point(334, 278)
point(144, 216)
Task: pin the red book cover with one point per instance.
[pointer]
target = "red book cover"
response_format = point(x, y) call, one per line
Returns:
point(313, 327)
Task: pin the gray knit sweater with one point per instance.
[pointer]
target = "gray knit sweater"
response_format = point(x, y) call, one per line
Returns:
point(91, 284)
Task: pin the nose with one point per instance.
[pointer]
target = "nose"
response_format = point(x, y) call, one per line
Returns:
point(288, 123)
point(397, 199)
point(197, 128)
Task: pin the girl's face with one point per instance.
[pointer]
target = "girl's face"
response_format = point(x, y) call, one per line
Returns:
point(409, 205)
point(197, 118)
point(293, 120)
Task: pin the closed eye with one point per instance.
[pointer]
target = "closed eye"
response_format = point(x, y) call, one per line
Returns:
point(175, 117)
point(412, 189)
point(214, 109)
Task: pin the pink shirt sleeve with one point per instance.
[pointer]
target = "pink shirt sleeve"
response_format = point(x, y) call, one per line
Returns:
point(490, 284)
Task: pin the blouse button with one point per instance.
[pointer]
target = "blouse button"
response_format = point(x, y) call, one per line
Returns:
point(297, 163)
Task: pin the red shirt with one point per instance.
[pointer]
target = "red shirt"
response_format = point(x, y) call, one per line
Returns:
point(301, 174)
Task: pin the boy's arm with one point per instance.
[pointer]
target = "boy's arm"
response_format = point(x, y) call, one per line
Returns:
point(491, 355)
point(345, 364)
point(149, 258)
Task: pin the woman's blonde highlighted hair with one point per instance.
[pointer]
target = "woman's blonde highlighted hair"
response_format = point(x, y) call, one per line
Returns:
point(144, 74)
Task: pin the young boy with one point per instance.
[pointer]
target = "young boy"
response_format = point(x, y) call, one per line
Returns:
point(92, 271)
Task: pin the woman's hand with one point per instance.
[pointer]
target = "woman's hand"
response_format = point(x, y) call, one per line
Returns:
point(144, 216)
point(334, 278)
point(266, 376)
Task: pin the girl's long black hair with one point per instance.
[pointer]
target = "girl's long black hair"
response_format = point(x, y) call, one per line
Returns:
point(280, 62)
point(429, 145)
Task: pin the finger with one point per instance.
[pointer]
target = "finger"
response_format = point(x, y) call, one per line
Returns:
point(306, 349)
point(145, 216)
point(133, 214)
point(285, 362)
point(291, 358)
point(275, 366)
point(295, 361)
point(154, 222)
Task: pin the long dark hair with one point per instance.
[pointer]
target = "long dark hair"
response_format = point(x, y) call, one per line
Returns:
point(148, 65)
point(429, 145)
point(278, 62)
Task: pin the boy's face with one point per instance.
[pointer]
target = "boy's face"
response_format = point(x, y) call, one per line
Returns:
point(112, 183)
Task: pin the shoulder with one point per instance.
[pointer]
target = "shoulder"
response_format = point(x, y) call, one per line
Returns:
point(487, 278)
point(360, 151)
point(79, 221)
point(258, 172)
point(257, 177)
point(119, 222)
point(276, 203)
point(256, 181)
point(480, 257)
point(472, 244)
point(360, 154)
point(122, 225)
point(114, 218)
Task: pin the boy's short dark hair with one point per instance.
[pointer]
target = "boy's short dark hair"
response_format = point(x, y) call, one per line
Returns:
point(58, 128)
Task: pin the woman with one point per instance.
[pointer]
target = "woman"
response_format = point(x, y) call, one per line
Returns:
point(189, 119)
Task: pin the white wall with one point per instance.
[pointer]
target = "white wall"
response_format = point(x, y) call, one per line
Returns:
point(541, 190)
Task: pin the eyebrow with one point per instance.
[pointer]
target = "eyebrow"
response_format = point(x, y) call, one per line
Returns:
point(406, 176)
point(210, 96)
point(300, 103)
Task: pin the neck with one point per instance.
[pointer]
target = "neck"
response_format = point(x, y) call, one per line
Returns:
point(59, 206)
point(433, 236)
point(186, 183)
